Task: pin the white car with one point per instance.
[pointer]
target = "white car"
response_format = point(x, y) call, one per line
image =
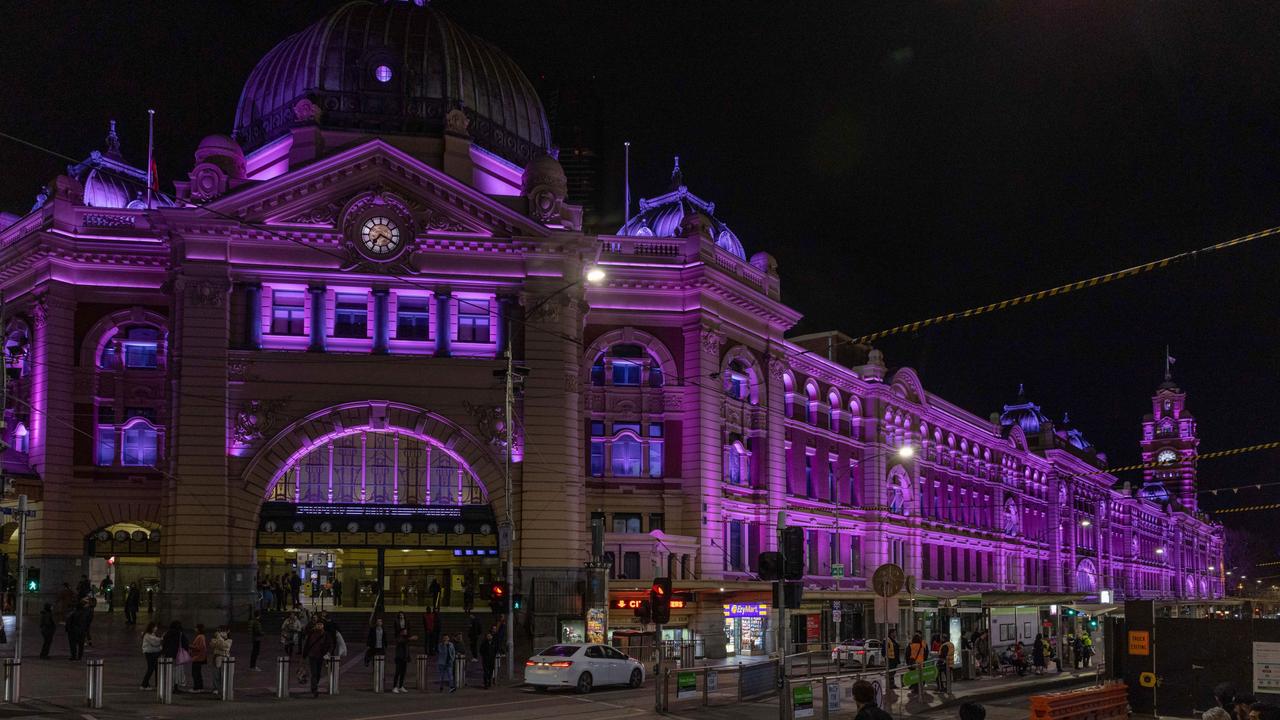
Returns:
point(863, 653)
point(582, 667)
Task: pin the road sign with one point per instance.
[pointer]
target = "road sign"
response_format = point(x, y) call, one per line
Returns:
point(887, 580)
point(837, 570)
point(835, 616)
point(1139, 642)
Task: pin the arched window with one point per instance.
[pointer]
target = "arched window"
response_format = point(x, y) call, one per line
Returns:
point(833, 407)
point(737, 381)
point(1166, 428)
point(139, 442)
point(1086, 576)
point(626, 456)
point(626, 365)
point(361, 465)
point(811, 392)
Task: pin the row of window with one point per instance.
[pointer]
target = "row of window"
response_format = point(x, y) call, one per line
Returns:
point(351, 316)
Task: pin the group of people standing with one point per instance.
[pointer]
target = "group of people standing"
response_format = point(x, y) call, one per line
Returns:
point(190, 655)
point(1235, 704)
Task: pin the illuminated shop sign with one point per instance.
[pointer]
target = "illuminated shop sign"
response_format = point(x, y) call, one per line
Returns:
point(741, 610)
point(634, 603)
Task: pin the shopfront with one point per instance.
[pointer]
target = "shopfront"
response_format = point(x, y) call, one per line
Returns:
point(629, 611)
point(746, 627)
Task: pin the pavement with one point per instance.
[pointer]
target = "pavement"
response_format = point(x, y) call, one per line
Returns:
point(55, 688)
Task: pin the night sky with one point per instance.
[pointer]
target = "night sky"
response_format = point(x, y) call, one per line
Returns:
point(900, 159)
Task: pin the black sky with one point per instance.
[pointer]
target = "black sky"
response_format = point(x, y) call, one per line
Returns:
point(900, 159)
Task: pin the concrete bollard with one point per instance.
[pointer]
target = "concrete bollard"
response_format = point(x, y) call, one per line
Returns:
point(227, 679)
point(379, 673)
point(422, 673)
point(335, 666)
point(93, 683)
point(282, 677)
point(12, 680)
point(164, 680)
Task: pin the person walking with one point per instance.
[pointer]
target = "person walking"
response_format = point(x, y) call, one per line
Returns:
point(48, 626)
point(1077, 651)
point(132, 600)
point(402, 657)
point(917, 653)
point(473, 635)
point(488, 658)
point(468, 598)
point(337, 592)
point(864, 696)
point(317, 645)
point(152, 644)
point(75, 632)
point(177, 648)
point(295, 589)
point(290, 631)
point(220, 649)
point(433, 595)
point(892, 655)
point(946, 661)
point(199, 658)
point(1037, 655)
point(84, 588)
point(87, 609)
point(445, 655)
point(108, 589)
point(255, 640)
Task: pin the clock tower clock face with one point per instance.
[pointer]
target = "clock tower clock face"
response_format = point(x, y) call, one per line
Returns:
point(1166, 457)
point(380, 236)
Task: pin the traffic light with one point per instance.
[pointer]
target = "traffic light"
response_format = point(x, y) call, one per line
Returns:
point(770, 564)
point(643, 613)
point(517, 602)
point(33, 579)
point(793, 553)
point(498, 597)
point(660, 600)
point(1093, 623)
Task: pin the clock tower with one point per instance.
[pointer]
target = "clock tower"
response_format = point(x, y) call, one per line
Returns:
point(1169, 440)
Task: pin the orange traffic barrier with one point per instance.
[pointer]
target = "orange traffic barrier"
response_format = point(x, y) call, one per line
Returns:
point(1105, 702)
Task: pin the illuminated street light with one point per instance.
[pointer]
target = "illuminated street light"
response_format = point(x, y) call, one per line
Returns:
point(595, 274)
point(1085, 523)
point(906, 452)
point(1159, 551)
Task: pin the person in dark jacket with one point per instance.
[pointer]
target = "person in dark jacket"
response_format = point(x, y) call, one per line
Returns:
point(83, 588)
point(402, 658)
point(317, 645)
point(474, 631)
point(76, 624)
point(488, 658)
point(864, 696)
point(175, 639)
point(893, 655)
point(48, 626)
point(376, 642)
point(1038, 661)
point(132, 600)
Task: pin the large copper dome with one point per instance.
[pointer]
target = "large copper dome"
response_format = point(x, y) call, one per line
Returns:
point(395, 67)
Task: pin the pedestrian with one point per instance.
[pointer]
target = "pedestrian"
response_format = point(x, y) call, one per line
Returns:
point(402, 656)
point(983, 648)
point(75, 632)
point(152, 644)
point(1224, 693)
point(429, 631)
point(488, 658)
point(433, 595)
point(108, 591)
point(83, 588)
point(1087, 642)
point(917, 653)
point(468, 598)
point(935, 643)
point(1241, 703)
point(473, 635)
point(317, 645)
point(376, 642)
point(1037, 655)
point(199, 658)
point(1264, 711)
point(220, 649)
point(1077, 651)
point(48, 626)
point(892, 654)
point(255, 640)
point(177, 648)
point(445, 655)
point(337, 592)
point(290, 630)
point(946, 661)
point(972, 711)
point(88, 607)
point(335, 636)
point(295, 588)
point(864, 696)
point(132, 600)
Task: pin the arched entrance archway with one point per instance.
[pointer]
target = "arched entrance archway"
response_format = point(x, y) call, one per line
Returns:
point(375, 499)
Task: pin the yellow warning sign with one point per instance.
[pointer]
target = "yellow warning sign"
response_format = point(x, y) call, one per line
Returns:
point(1139, 642)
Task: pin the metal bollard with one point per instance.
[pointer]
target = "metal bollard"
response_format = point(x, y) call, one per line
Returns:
point(459, 671)
point(422, 673)
point(12, 680)
point(164, 680)
point(334, 665)
point(282, 677)
point(227, 675)
point(379, 673)
point(93, 683)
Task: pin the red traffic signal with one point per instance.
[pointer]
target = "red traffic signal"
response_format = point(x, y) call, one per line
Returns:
point(660, 600)
point(497, 590)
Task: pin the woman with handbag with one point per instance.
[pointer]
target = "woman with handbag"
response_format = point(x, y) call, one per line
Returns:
point(176, 647)
point(152, 645)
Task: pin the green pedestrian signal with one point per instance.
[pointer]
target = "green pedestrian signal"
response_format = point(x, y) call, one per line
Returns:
point(33, 579)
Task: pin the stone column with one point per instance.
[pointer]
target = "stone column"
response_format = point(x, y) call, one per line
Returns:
point(444, 323)
point(318, 324)
point(55, 544)
point(381, 330)
point(204, 576)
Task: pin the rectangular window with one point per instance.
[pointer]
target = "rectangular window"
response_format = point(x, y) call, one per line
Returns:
point(351, 316)
point(734, 542)
point(655, 459)
point(139, 355)
point(657, 521)
point(831, 480)
point(626, 457)
point(808, 476)
point(655, 430)
point(597, 428)
point(287, 312)
point(106, 445)
point(626, 523)
point(626, 372)
point(855, 557)
point(630, 565)
point(926, 563)
point(968, 558)
point(597, 458)
point(835, 547)
point(473, 321)
point(139, 447)
point(732, 466)
point(812, 551)
point(413, 318)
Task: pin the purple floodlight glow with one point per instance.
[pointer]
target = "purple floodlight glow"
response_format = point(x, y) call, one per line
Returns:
point(382, 73)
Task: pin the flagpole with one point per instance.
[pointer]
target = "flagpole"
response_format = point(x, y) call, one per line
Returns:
point(151, 139)
point(626, 199)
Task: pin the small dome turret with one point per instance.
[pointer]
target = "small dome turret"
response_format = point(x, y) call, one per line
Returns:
point(1025, 414)
point(680, 213)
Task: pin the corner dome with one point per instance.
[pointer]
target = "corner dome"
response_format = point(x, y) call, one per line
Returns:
point(395, 67)
point(1025, 414)
point(668, 215)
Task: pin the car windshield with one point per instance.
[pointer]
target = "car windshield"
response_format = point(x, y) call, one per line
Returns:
point(559, 651)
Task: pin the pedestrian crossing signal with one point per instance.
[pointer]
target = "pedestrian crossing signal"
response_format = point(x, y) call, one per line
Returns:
point(33, 580)
point(498, 597)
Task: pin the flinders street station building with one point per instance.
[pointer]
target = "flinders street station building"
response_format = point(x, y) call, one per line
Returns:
point(293, 360)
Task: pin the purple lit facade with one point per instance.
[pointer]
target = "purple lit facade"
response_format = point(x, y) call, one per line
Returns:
point(314, 317)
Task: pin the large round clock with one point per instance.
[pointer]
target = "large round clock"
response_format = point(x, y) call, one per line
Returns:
point(1166, 457)
point(380, 235)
